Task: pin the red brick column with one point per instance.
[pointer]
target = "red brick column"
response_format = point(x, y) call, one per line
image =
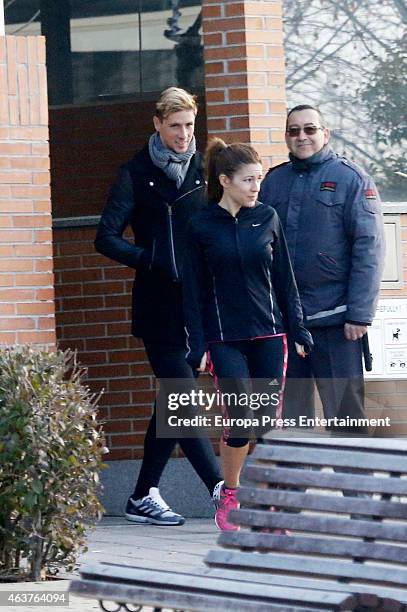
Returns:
point(244, 74)
point(26, 277)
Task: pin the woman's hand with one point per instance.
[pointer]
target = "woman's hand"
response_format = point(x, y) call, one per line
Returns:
point(300, 349)
point(303, 341)
point(202, 365)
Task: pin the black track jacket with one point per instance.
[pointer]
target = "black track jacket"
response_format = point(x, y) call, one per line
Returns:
point(238, 279)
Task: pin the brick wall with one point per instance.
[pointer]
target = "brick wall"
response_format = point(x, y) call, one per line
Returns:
point(93, 316)
point(26, 278)
point(244, 74)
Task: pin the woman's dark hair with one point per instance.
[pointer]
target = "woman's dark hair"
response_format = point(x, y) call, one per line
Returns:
point(221, 158)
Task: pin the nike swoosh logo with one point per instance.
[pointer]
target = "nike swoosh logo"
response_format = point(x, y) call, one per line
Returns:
point(256, 224)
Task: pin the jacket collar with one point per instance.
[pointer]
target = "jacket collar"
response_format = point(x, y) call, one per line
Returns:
point(218, 211)
point(311, 163)
point(164, 185)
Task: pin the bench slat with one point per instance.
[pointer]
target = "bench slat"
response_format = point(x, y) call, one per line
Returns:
point(319, 524)
point(300, 438)
point(328, 547)
point(180, 589)
point(363, 592)
point(200, 582)
point(305, 566)
point(166, 598)
point(331, 457)
point(327, 503)
point(324, 480)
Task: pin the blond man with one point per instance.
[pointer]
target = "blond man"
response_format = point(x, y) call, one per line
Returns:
point(156, 193)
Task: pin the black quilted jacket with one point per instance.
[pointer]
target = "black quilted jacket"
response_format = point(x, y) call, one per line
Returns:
point(145, 199)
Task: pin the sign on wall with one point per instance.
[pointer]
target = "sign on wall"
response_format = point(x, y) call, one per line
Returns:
point(388, 339)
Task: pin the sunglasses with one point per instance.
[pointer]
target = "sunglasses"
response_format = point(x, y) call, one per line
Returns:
point(309, 130)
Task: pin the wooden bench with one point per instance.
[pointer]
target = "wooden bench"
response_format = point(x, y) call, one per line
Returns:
point(344, 552)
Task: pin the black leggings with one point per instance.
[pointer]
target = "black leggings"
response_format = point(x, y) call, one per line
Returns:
point(250, 367)
point(169, 362)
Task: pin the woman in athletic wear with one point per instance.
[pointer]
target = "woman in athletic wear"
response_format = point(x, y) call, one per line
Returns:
point(240, 299)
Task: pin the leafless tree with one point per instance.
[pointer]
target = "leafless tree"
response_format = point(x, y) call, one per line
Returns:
point(334, 50)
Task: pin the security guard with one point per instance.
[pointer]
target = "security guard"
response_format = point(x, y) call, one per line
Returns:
point(330, 211)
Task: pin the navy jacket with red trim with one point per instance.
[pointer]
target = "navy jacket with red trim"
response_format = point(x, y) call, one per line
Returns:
point(330, 212)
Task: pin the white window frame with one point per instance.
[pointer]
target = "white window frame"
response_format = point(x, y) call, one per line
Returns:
point(392, 211)
point(2, 29)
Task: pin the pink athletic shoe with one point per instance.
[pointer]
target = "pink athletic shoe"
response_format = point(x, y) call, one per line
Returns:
point(224, 503)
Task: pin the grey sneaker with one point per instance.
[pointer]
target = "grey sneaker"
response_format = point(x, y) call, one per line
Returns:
point(152, 509)
point(216, 493)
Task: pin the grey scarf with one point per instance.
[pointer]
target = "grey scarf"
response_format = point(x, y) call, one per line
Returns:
point(174, 165)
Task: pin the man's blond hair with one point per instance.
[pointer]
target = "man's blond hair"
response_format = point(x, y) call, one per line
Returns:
point(173, 100)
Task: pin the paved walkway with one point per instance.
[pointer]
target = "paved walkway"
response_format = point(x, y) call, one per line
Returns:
point(118, 541)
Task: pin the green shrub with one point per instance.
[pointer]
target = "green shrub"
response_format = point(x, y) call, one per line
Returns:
point(50, 457)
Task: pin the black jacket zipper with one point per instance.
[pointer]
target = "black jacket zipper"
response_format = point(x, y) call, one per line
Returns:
point(187, 193)
point(171, 233)
point(171, 236)
point(153, 253)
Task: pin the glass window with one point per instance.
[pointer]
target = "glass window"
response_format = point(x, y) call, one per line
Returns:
point(101, 49)
point(22, 17)
point(172, 45)
point(348, 58)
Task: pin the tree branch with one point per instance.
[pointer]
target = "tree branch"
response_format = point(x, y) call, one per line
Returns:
point(357, 148)
point(402, 9)
point(323, 59)
point(360, 25)
point(318, 51)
